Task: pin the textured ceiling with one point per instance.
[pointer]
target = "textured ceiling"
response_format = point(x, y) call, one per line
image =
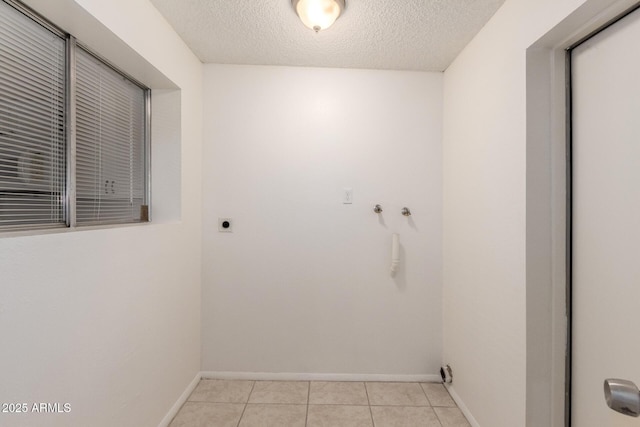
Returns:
point(380, 34)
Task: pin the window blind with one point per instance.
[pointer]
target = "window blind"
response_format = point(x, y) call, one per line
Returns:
point(32, 135)
point(110, 144)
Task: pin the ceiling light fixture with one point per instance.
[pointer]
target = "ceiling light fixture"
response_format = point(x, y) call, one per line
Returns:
point(318, 14)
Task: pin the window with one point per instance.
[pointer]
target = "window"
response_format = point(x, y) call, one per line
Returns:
point(32, 137)
point(49, 175)
point(110, 113)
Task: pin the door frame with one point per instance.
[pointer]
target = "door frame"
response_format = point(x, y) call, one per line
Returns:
point(548, 212)
point(569, 202)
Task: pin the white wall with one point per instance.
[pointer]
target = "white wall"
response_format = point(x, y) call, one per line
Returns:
point(108, 320)
point(302, 284)
point(503, 267)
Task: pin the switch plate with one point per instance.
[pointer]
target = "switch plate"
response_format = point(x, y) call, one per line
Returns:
point(225, 225)
point(347, 196)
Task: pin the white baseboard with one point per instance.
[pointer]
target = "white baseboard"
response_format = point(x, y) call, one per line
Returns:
point(462, 406)
point(183, 398)
point(288, 376)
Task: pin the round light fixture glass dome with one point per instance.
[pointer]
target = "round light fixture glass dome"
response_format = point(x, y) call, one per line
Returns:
point(318, 14)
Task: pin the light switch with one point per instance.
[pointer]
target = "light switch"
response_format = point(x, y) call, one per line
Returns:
point(347, 196)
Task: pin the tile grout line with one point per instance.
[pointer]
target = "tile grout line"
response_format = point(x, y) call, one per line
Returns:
point(433, 408)
point(373, 423)
point(438, 417)
point(426, 395)
point(306, 418)
point(245, 404)
point(402, 405)
point(430, 405)
point(445, 407)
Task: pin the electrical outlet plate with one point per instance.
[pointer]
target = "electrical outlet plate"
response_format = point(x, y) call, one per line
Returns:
point(225, 225)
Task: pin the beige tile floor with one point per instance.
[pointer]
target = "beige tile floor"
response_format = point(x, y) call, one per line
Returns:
point(225, 403)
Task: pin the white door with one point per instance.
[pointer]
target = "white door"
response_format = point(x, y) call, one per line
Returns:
point(606, 220)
